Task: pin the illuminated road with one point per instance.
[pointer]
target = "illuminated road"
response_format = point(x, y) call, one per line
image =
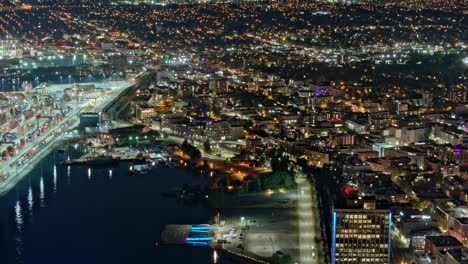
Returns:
point(308, 225)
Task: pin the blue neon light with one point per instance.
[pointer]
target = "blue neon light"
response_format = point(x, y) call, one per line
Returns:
point(389, 236)
point(199, 239)
point(203, 227)
point(198, 244)
point(199, 231)
point(334, 239)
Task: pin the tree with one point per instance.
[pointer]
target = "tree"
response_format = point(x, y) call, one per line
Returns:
point(261, 161)
point(284, 163)
point(245, 188)
point(390, 193)
point(274, 163)
point(420, 204)
point(207, 146)
point(274, 181)
point(191, 150)
point(184, 144)
point(438, 177)
point(281, 259)
point(289, 182)
point(258, 185)
point(406, 185)
point(196, 155)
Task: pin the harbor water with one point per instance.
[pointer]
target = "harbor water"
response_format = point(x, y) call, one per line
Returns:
point(61, 214)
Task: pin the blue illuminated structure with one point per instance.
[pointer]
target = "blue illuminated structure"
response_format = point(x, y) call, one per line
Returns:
point(198, 244)
point(199, 239)
point(199, 236)
point(334, 239)
point(389, 236)
point(199, 231)
point(203, 227)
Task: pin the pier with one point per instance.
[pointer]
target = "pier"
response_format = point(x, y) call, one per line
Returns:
point(187, 235)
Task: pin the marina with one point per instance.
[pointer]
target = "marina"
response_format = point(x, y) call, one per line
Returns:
point(125, 214)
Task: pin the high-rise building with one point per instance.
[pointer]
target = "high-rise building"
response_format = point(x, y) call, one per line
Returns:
point(361, 235)
point(10, 48)
point(218, 85)
point(457, 95)
point(118, 63)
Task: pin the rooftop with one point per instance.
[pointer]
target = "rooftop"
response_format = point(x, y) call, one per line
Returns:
point(444, 241)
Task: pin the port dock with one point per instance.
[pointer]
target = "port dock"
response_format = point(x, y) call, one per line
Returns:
point(187, 235)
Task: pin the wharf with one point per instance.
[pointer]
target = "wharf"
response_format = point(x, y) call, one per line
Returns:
point(187, 235)
point(99, 160)
point(175, 234)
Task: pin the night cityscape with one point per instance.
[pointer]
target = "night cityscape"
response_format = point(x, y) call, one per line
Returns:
point(234, 132)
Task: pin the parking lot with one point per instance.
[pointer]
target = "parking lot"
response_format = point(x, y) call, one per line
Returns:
point(263, 228)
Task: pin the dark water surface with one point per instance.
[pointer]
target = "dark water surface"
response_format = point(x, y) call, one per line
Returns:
point(102, 215)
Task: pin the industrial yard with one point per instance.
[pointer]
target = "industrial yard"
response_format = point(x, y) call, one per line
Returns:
point(35, 119)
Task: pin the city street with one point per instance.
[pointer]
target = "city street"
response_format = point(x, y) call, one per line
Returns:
point(308, 224)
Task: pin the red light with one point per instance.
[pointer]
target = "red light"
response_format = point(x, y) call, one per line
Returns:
point(156, 244)
point(346, 190)
point(63, 46)
point(339, 119)
point(218, 213)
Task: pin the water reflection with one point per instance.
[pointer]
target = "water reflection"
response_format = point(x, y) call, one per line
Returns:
point(68, 170)
point(68, 174)
point(41, 191)
point(19, 231)
point(18, 216)
point(30, 200)
point(69, 211)
point(55, 178)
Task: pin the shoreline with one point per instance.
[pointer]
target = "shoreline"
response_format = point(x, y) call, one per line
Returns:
point(21, 173)
point(236, 256)
point(24, 171)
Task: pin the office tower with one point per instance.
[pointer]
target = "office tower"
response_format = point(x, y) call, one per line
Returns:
point(361, 235)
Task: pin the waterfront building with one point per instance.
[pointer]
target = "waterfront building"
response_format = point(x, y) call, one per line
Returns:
point(52, 61)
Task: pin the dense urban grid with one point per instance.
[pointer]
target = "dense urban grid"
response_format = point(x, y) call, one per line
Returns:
point(356, 109)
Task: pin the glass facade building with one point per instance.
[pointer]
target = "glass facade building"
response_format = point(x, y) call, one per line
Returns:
point(361, 236)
